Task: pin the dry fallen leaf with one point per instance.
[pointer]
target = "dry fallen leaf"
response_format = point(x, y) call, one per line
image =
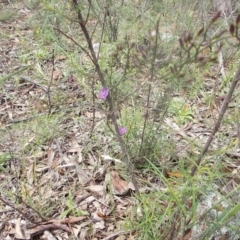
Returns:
point(174, 174)
point(60, 58)
point(99, 189)
point(57, 74)
point(51, 154)
point(30, 172)
point(120, 186)
point(108, 158)
point(75, 148)
point(99, 225)
point(82, 175)
point(97, 114)
point(18, 232)
point(48, 235)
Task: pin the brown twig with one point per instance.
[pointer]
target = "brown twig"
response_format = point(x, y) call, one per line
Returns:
point(41, 228)
point(83, 49)
point(109, 98)
point(16, 209)
point(150, 87)
point(218, 122)
point(93, 81)
point(33, 209)
point(49, 85)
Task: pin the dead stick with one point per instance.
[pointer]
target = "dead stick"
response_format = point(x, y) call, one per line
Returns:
point(218, 122)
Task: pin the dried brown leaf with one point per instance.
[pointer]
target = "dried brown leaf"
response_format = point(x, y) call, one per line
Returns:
point(41, 228)
point(99, 189)
point(57, 74)
point(82, 175)
point(120, 186)
point(76, 148)
point(18, 232)
point(174, 174)
point(97, 114)
point(51, 155)
point(99, 225)
point(60, 57)
point(30, 173)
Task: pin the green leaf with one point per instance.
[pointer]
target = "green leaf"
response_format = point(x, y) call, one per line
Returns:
point(4, 157)
point(3, 79)
point(230, 214)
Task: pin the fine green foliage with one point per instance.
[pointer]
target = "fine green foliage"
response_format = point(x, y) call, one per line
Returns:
point(71, 208)
point(6, 15)
point(4, 157)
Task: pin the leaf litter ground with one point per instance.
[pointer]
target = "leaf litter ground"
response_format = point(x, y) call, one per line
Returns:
point(51, 187)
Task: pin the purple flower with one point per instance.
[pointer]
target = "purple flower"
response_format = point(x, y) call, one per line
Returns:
point(122, 130)
point(103, 93)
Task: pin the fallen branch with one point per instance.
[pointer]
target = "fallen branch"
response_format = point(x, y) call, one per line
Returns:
point(41, 228)
point(22, 213)
point(52, 224)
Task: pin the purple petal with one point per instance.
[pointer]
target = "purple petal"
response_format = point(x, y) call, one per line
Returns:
point(122, 130)
point(103, 93)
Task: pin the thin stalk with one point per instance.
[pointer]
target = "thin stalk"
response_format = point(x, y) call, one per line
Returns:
point(219, 120)
point(109, 98)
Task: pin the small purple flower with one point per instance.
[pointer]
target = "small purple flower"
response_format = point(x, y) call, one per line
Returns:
point(122, 130)
point(103, 93)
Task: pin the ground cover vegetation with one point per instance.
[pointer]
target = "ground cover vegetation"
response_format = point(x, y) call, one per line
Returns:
point(119, 120)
